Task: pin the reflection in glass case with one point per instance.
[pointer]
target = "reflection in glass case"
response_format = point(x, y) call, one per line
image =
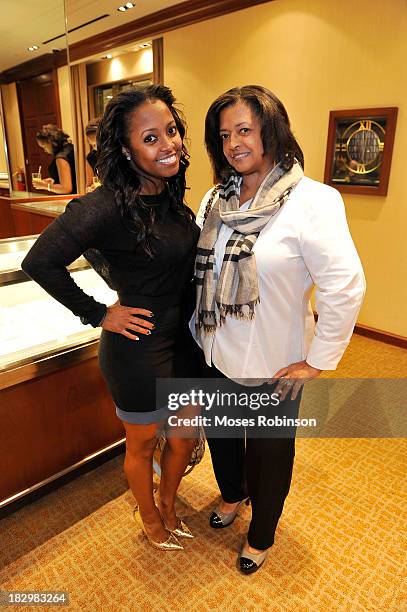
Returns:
point(32, 324)
point(104, 93)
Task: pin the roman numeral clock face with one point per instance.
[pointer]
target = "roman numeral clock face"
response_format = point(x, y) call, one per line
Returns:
point(358, 153)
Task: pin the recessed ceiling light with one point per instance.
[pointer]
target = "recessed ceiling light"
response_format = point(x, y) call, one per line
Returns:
point(126, 7)
point(108, 56)
point(33, 48)
point(144, 45)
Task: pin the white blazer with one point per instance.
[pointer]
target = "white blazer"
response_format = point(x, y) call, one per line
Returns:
point(307, 243)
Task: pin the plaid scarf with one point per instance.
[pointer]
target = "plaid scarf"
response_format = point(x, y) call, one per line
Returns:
point(236, 291)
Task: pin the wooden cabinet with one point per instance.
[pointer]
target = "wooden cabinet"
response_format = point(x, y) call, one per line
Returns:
point(49, 424)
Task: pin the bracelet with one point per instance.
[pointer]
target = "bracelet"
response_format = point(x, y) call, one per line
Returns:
point(49, 187)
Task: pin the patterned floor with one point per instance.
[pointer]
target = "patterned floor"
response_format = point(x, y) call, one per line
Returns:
point(340, 545)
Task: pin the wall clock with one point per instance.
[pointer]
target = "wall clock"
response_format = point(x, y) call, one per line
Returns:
point(359, 150)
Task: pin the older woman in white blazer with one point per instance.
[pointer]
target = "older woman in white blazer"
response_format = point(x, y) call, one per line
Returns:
point(269, 236)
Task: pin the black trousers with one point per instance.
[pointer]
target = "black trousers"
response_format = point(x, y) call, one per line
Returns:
point(260, 468)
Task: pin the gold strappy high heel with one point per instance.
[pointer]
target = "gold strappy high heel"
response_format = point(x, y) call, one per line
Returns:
point(182, 530)
point(170, 544)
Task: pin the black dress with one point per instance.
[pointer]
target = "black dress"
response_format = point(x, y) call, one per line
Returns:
point(93, 225)
point(68, 154)
point(92, 158)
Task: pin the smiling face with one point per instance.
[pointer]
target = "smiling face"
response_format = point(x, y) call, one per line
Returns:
point(240, 132)
point(155, 143)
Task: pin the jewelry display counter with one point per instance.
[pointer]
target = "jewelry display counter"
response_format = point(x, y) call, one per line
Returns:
point(55, 411)
point(24, 212)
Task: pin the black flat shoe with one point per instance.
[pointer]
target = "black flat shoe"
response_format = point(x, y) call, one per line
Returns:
point(219, 519)
point(248, 562)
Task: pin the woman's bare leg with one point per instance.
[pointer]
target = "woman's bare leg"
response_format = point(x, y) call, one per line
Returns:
point(141, 441)
point(174, 460)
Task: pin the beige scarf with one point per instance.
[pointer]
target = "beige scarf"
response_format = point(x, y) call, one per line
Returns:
point(236, 291)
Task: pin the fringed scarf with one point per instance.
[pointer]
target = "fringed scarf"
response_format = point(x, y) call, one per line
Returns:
point(236, 291)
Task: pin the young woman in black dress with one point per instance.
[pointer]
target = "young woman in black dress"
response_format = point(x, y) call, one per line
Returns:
point(141, 238)
point(62, 174)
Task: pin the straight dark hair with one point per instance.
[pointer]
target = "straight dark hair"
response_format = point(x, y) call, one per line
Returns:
point(278, 140)
point(124, 177)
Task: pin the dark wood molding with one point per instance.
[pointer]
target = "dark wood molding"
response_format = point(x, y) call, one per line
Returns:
point(381, 336)
point(56, 94)
point(172, 18)
point(43, 63)
point(377, 334)
point(158, 60)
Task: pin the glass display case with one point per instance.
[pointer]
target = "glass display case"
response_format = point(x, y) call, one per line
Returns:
point(32, 324)
point(50, 208)
point(56, 413)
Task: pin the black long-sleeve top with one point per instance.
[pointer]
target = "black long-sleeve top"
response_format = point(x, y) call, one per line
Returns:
point(93, 225)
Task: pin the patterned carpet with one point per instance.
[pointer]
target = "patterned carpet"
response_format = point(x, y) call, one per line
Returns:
point(340, 545)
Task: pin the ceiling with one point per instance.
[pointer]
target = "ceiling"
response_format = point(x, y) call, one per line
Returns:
point(28, 22)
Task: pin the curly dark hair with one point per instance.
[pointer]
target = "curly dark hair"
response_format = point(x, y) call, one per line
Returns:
point(123, 177)
point(277, 137)
point(54, 135)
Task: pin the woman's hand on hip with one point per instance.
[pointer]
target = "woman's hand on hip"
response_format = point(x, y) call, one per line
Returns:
point(292, 378)
point(124, 320)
